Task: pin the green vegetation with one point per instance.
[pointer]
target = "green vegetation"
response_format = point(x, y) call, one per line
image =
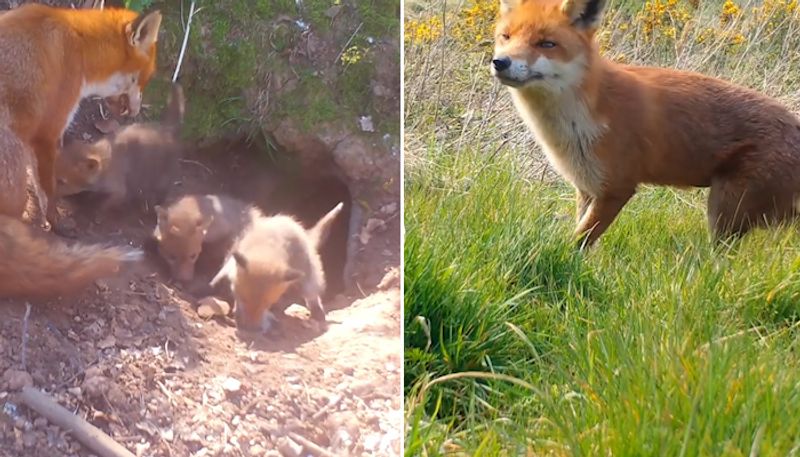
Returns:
point(655, 342)
point(138, 5)
point(236, 46)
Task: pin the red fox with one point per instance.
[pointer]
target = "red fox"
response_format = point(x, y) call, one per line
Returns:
point(194, 221)
point(54, 57)
point(137, 163)
point(273, 255)
point(608, 127)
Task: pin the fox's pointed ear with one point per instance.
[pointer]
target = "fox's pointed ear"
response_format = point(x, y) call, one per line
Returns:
point(240, 260)
point(143, 31)
point(508, 5)
point(584, 14)
point(91, 163)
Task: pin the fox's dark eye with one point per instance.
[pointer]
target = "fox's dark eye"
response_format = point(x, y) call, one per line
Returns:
point(546, 44)
point(505, 36)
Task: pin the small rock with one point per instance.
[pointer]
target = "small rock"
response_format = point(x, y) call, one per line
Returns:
point(86, 136)
point(96, 386)
point(29, 439)
point(371, 226)
point(75, 391)
point(288, 448)
point(361, 388)
point(390, 279)
point(232, 385)
point(107, 342)
point(102, 286)
point(257, 450)
point(365, 122)
point(389, 208)
point(116, 397)
point(17, 379)
point(93, 371)
point(212, 306)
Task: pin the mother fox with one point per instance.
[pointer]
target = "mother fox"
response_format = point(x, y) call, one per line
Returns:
point(608, 127)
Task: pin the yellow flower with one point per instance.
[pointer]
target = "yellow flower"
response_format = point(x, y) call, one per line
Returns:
point(730, 11)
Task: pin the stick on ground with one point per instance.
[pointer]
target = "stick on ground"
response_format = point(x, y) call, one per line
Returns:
point(89, 435)
point(25, 336)
point(310, 445)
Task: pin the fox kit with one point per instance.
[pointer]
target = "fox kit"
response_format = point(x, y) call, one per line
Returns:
point(54, 57)
point(273, 255)
point(138, 162)
point(194, 221)
point(608, 127)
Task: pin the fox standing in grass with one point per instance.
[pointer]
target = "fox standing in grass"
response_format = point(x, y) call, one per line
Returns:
point(608, 127)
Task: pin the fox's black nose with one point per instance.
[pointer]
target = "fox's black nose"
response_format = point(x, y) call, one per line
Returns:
point(501, 63)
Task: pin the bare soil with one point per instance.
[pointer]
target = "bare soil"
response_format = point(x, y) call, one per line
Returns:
point(132, 356)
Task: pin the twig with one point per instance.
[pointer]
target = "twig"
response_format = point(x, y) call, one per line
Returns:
point(89, 435)
point(25, 336)
point(344, 48)
point(194, 162)
point(331, 403)
point(311, 445)
point(185, 42)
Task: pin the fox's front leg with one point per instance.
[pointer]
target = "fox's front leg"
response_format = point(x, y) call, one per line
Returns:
point(46, 150)
point(582, 202)
point(599, 215)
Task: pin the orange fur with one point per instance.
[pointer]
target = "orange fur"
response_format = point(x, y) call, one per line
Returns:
point(608, 127)
point(54, 57)
point(273, 255)
point(39, 265)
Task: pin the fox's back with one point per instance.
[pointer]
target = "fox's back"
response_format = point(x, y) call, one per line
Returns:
point(282, 239)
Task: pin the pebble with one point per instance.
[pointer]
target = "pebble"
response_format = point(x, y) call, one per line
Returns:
point(231, 385)
point(17, 379)
point(212, 306)
point(29, 439)
point(288, 447)
point(257, 450)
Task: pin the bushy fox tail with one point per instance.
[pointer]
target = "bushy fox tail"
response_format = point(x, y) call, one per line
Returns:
point(39, 265)
point(175, 109)
point(319, 232)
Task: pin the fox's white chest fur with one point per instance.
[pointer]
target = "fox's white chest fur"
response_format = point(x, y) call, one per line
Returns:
point(567, 133)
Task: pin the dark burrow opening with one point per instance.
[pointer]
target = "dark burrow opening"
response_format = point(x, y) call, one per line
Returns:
point(308, 199)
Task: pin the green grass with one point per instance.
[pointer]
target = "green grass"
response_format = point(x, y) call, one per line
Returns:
point(656, 341)
point(653, 343)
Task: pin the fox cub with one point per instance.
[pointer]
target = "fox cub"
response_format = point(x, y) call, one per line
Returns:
point(137, 163)
point(273, 256)
point(194, 222)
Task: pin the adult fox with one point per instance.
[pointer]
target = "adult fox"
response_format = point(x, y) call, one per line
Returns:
point(51, 59)
point(608, 127)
